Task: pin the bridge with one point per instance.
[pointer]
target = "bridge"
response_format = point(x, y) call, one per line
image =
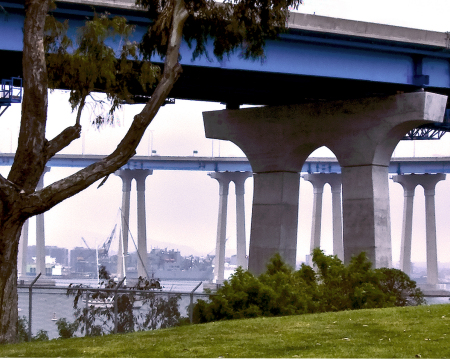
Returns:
point(318, 171)
point(359, 88)
point(324, 165)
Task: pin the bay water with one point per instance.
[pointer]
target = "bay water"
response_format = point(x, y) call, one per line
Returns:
point(48, 305)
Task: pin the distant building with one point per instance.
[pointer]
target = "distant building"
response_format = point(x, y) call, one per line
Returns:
point(83, 261)
point(60, 254)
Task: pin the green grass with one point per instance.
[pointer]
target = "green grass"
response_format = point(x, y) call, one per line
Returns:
point(409, 332)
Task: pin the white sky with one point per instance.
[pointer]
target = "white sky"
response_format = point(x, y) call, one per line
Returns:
point(182, 207)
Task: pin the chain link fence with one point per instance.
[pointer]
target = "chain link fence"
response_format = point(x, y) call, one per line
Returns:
point(42, 307)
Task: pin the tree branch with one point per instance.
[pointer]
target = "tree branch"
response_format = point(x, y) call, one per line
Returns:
point(80, 109)
point(42, 200)
point(29, 160)
point(7, 189)
point(61, 141)
point(66, 136)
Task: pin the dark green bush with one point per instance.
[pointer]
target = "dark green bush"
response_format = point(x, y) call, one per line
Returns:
point(66, 329)
point(404, 291)
point(332, 287)
point(22, 331)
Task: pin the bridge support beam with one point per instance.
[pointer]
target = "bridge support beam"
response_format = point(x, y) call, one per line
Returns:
point(127, 176)
point(362, 133)
point(274, 218)
point(224, 179)
point(409, 183)
point(318, 181)
point(40, 233)
point(23, 250)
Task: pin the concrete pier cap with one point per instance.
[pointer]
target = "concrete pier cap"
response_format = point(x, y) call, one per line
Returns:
point(362, 133)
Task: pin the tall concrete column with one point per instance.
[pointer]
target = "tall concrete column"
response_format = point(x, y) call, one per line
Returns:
point(429, 186)
point(40, 233)
point(336, 204)
point(239, 181)
point(126, 176)
point(318, 181)
point(219, 259)
point(140, 176)
point(362, 133)
point(23, 250)
point(274, 219)
point(316, 225)
point(366, 213)
point(409, 183)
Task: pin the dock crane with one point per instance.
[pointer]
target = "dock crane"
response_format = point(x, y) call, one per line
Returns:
point(103, 251)
point(85, 243)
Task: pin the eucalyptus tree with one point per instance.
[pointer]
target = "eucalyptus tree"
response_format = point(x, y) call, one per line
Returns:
point(232, 25)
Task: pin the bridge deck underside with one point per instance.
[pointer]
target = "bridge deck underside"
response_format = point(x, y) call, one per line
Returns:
point(301, 66)
point(251, 87)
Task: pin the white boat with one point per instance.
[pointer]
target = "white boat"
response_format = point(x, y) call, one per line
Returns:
point(106, 302)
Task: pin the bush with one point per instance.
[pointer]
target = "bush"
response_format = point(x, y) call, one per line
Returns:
point(401, 287)
point(22, 332)
point(22, 329)
point(160, 312)
point(41, 335)
point(356, 286)
point(66, 329)
point(283, 291)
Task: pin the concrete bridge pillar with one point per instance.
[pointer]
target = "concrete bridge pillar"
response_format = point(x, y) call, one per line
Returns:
point(140, 176)
point(241, 251)
point(409, 183)
point(127, 175)
point(40, 232)
point(219, 258)
point(224, 179)
point(23, 250)
point(362, 133)
point(274, 218)
point(318, 181)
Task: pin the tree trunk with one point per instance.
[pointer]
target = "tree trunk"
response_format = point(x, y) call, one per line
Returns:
point(9, 245)
point(19, 200)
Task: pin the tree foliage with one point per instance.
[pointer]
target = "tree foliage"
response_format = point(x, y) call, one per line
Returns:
point(332, 287)
point(98, 317)
point(231, 25)
point(92, 64)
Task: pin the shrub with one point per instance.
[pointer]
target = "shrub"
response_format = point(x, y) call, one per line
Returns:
point(401, 287)
point(332, 287)
point(22, 332)
point(66, 329)
point(158, 312)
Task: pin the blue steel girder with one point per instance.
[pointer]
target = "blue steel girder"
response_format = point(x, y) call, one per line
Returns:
point(302, 65)
point(434, 131)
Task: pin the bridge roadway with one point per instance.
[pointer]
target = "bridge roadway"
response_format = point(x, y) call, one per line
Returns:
point(320, 57)
point(400, 165)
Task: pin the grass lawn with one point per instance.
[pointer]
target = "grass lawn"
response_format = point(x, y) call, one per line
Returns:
point(410, 332)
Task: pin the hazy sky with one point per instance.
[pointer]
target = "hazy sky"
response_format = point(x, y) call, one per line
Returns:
point(182, 206)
